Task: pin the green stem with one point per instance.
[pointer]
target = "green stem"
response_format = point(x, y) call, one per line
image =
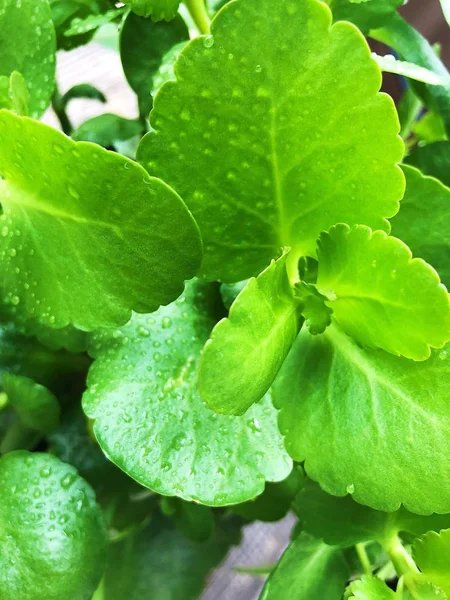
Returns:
point(404, 565)
point(18, 436)
point(60, 111)
point(364, 558)
point(99, 593)
point(199, 14)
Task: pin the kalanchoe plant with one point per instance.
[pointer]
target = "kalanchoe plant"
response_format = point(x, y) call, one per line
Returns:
point(229, 308)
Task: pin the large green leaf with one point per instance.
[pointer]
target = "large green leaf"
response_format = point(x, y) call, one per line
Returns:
point(274, 131)
point(356, 415)
point(149, 418)
point(432, 159)
point(308, 569)
point(143, 45)
point(28, 45)
point(52, 534)
point(161, 564)
point(383, 297)
point(369, 588)
point(366, 14)
point(422, 221)
point(125, 241)
point(432, 555)
point(246, 350)
point(340, 521)
point(156, 9)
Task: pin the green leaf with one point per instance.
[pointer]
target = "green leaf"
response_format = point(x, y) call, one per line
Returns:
point(93, 22)
point(82, 90)
point(108, 219)
point(107, 129)
point(429, 129)
point(195, 521)
point(369, 588)
point(423, 220)
point(275, 502)
point(390, 64)
point(246, 350)
point(166, 70)
point(432, 160)
point(14, 93)
point(35, 405)
point(313, 307)
point(432, 555)
point(355, 415)
point(158, 10)
point(340, 521)
point(366, 14)
point(264, 152)
point(29, 46)
point(308, 569)
point(445, 4)
point(149, 419)
point(161, 564)
point(68, 338)
point(414, 48)
point(66, 12)
point(382, 297)
point(52, 534)
point(143, 45)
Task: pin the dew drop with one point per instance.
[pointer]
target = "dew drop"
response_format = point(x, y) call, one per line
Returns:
point(208, 41)
point(350, 488)
point(258, 68)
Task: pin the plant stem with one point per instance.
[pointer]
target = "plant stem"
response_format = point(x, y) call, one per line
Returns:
point(60, 111)
point(197, 10)
point(404, 564)
point(364, 558)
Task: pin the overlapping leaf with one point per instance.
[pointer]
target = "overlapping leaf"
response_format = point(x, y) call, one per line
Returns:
point(433, 160)
point(247, 349)
point(355, 415)
point(269, 134)
point(383, 297)
point(130, 239)
point(366, 14)
point(432, 555)
point(52, 534)
point(14, 93)
point(149, 418)
point(308, 569)
point(156, 9)
point(423, 220)
point(29, 46)
point(369, 588)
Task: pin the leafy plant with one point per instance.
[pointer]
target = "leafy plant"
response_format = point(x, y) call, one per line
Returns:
point(219, 311)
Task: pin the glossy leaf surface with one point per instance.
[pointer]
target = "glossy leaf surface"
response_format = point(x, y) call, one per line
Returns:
point(103, 210)
point(29, 46)
point(246, 350)
point(391, 413)
point(156, 9)
point(369, 588)
point(308, 569)
point(423, 220)
point(382, 296)
point(149, 418)
point(268, 134)
point(432, 555)
point(55, 548)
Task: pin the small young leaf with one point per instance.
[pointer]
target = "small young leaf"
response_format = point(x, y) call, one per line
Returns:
point(308, 569)
point(149, 419)
point(275, 184)
point(161, 564)
point(56, 547)
point(433, 160)
point(340, 521)
point(99, 210)
point(66, 12)
point(390, 64)
point(355, 415)
point(369, 588)
point(29, 46)
point(156, 9)
point(35, 405)
point(107, 129)
point(14, 94)
point(313, 307)
point(92, 22)
point(422, 222)
point(382, 297)
point(82, 90)
point(432, 555)
point(366, 14)
point(143, 45)
point(246, 350)
point(429, 129)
